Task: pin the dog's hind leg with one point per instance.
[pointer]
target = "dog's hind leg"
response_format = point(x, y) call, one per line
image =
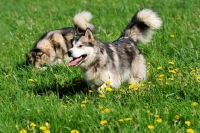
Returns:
point(138, 71)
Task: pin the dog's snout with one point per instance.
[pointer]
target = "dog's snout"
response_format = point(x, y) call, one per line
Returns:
point(69, 53)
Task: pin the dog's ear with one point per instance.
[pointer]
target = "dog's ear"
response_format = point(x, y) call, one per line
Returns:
point(89, 35)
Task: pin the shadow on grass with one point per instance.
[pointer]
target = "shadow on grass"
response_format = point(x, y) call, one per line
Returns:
point(68, 89)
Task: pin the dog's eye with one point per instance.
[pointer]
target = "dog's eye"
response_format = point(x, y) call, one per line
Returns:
point(80, 46)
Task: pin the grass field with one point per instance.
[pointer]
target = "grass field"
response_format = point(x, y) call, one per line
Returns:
point(57, 100)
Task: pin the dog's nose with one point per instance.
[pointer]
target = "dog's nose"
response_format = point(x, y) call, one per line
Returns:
point(69, 53)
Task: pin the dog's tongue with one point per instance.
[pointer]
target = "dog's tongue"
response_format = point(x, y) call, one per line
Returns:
point(75, 61)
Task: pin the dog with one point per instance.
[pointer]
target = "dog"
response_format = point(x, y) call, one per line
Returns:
point(119, 61)
point(52, 46)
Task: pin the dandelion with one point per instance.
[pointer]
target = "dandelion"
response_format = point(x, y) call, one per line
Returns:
point(194, 104)
point(102, 96)
point(148, 63)
point(32, 124)
point(167, 83)
point(47, 124)
point(100, 106)
point(90, 91)
point(172, 35)
point(159, 68)
point(46, 131)
point(188, 123)
point(148, 111)
point(190, 130)
point(199, 15)
point(106, 110)
point(63, 106)
point(23, 131)
point(32, 80)
point(151, 127)
point(156, 116)
point(159, 120)
point(74, 131)
point(171, 63)
point(135, 89)
point(82, 105)
point(43, 128)
point(107, 82)
point(177, 117)
point(108, 89)
point(172, 71)
point(170, 79)
point(121, 120)
point(122, 90)
point(103, 122)
point(128, 119)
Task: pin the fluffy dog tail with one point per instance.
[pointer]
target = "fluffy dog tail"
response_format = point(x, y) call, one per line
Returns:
point(142, 25)
point(81, 21)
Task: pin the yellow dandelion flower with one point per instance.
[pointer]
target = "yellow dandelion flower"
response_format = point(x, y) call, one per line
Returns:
point(148, 111)
point(122, 90)
point(46, 131)
point(172, 71)
point(107, 82)
point(171, 63)
point(177, 117)
point(135, 89)
point(47, 124)
point(194, 104)
point(170, 79)
point(159, 68)
point(148, 63)
point(142, 85)
point(188, 123)
point(63, 106)
point(82, 105)
point(32, 80)
point(151, 127)
point(103, 122)
point(90, 91)
point(100, 106)
point(23, 131)
point(156, 116)
point(74, 131)
point(160, 79)
point(108, 89)
point(199, 15)
point(43, 128)
point(128, 119)
point(32, 124)
point(121, 120)
point(161, 75)
point(167, 83)
point(159, 120)
point(107, 110)
point(172, 35)
point(190, 130)
point(149, 82)
point(102, 96)
point(98, 0)
point(148, 70)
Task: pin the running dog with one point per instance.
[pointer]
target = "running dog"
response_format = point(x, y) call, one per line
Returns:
point(118, 61)
point(52, 46)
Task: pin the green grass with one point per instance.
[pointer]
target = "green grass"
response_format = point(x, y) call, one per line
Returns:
point(59, 95)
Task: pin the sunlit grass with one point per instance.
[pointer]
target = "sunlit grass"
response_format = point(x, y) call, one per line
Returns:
point(58, 100)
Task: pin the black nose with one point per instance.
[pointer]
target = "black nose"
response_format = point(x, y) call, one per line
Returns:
point(69, 53)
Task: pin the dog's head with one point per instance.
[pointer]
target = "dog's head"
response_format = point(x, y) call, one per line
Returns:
point(50, 48)
point(37, 58)
point(83, 49)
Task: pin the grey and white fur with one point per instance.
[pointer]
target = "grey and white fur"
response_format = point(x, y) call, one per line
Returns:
point(118, 61)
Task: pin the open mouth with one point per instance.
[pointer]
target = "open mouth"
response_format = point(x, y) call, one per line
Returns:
point(77, 61)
